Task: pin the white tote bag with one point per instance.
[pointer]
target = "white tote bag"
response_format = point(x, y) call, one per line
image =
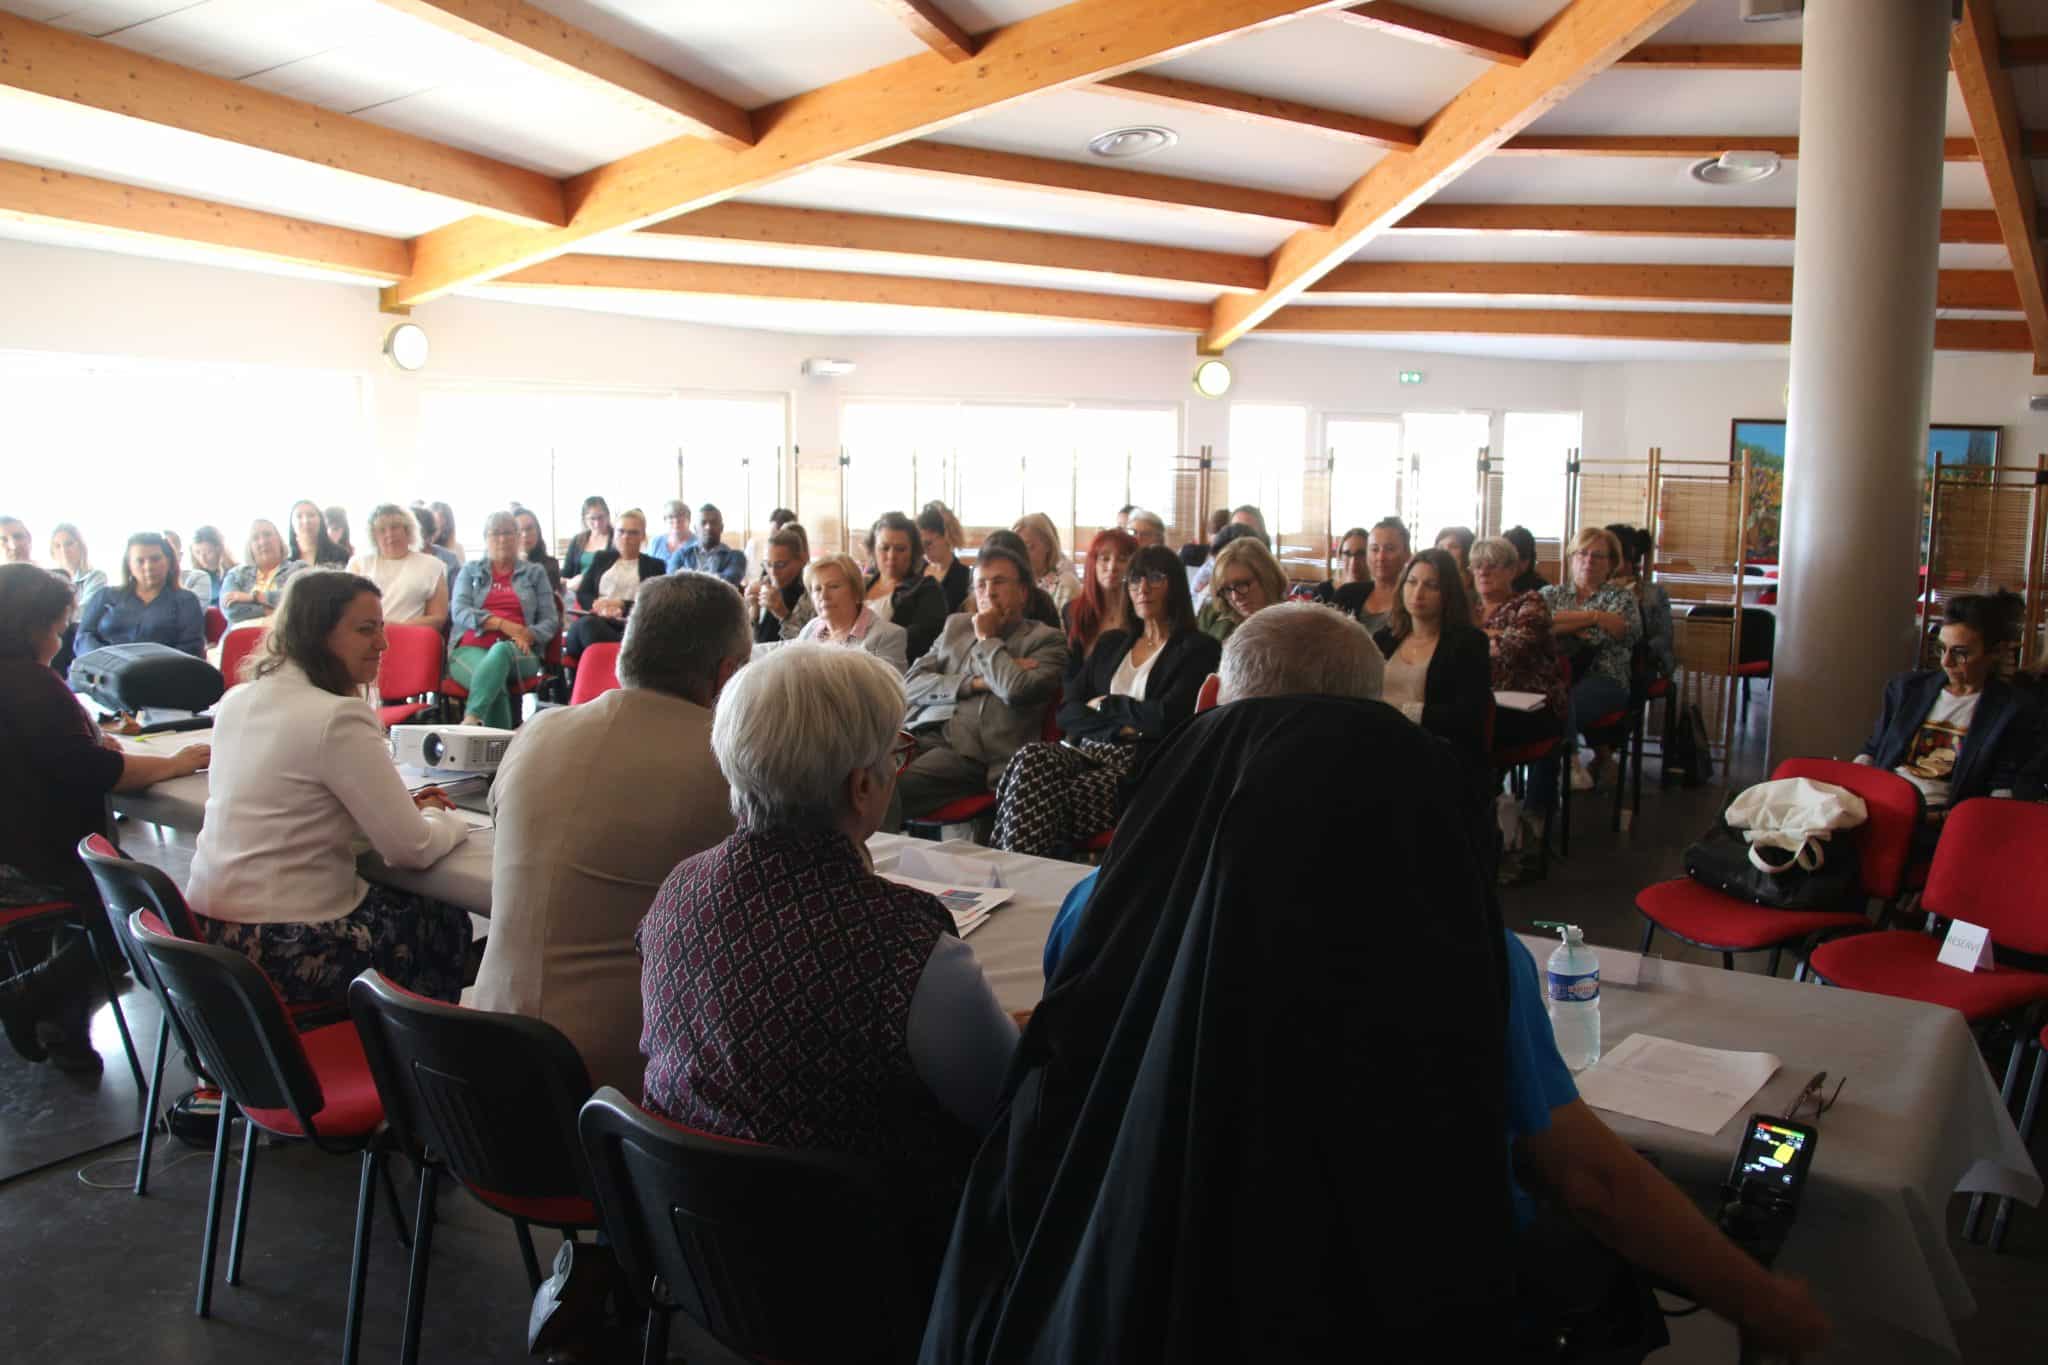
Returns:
point(1795, 814)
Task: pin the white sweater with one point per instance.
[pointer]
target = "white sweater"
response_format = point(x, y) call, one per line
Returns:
point(298, 775)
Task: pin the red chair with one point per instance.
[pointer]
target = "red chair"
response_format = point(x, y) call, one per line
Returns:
point(1706, 918)
point(410, 671)
point(550, 666)
point(236, 646)
point(216, 625)
point(60, 915)
point(1212, 687)
point(966, 810)
point(597, 672)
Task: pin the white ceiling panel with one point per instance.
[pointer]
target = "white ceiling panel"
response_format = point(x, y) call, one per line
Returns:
point(163, 249)
point(1324, 60)
point(878, 190)
point(655, 246)
point(1720, 21)
point(1581, 349)
point(67, 137)
point(1518, 18)
point(529, 120)
point(1658, 180)
point(1635, 100)
point(1212, 146)
point(92, 16)
point(1522, 301)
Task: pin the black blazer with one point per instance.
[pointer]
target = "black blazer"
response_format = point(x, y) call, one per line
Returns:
point(1457, 691)
point(1170, 689)
point(596, 566)
point(2001, 750)
point(919, 606)
point(958, 586)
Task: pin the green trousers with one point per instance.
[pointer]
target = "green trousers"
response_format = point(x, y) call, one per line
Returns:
point(488, 674)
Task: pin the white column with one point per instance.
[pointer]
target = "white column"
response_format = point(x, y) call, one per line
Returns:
point(1872, 93)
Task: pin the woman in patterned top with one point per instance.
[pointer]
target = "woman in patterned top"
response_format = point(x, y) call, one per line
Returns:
point(1599, 621)
point(1517, 625)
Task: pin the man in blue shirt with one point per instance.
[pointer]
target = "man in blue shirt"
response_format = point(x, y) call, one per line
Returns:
point(706, 554)
point(675, 515)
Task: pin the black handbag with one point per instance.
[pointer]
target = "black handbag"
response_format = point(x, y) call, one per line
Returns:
point(134, 677)
point(1721, 862)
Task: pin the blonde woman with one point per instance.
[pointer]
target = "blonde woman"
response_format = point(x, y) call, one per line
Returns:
point(1597, 622)
point(1050, 568)
point(1244, 578)
point(415, 586)
point(838, 589)
point(68, 556)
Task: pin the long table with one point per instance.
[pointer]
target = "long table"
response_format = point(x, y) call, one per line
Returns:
point(1918, 1120)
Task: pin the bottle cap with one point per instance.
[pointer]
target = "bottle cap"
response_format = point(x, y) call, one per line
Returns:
point(1570, 933)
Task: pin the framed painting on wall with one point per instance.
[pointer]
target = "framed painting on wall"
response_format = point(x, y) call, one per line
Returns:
point(1764, 441)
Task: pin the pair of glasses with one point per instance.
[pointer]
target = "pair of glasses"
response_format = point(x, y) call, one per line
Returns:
point(1233, 591)
point(1591, 554)
point(902, 751)
point(1817, 1094)
point(1154, 578)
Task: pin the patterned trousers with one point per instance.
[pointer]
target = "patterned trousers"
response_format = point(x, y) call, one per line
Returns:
point(1052, 797)
point(419, 943)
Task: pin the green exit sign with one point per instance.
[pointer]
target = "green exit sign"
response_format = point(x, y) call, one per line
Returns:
point(1411, 376)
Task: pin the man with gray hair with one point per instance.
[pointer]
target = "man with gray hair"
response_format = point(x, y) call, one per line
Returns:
point(594, 804)
point(1147, 527)
point(1299, 649)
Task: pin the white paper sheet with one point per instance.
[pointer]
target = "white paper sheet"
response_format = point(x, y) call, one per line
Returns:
point(969, 905)
point(1698, 1089)
point(923, 865)
point(1520, 701)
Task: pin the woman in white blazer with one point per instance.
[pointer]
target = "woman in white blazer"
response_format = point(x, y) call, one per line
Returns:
point(301, 770)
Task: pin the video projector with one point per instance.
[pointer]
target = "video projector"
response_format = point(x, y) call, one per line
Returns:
point(450, 748)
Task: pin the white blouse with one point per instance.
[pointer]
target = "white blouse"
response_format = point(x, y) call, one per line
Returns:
point(1129, 680)
point(407, 584)
point(622, 580)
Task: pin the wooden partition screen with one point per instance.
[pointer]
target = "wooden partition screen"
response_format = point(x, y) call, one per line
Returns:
point(1699, 529)
point(1604, 492)
point(1984, 533)
point(821, 498)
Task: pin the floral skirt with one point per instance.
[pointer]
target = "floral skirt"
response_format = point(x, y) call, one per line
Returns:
point(420, 943)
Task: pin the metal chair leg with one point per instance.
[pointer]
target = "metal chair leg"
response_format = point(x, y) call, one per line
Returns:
point(152, 1115)
point(2027, 1117)
point(242, 1201)
point(397, 1209)
point(213, 1189)
point(1727, 962)
point(359, 1260)
point(654, 1350)
point(2005, 1094)
point(1777, 955)
point(532, 1261)
point(1649, 932)
point(114, 1003)
point(422, 1252)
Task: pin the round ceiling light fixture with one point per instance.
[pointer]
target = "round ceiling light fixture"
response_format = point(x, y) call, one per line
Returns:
point(406, 344)
point(1737, 168)
point(1121, 144)
point(1212, 378)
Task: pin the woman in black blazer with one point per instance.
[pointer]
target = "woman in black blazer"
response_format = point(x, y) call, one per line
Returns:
point(1137, 686)
point(899, 590)
point(1439, 669)
point(604, 621)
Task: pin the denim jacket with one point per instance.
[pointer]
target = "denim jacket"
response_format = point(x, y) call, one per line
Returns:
point(529, 582)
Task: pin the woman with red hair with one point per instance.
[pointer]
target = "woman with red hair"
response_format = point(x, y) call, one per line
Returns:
point(1102, 605)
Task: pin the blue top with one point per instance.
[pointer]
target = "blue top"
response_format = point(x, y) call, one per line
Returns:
point(665, 550)
point(723, 560)
point(451, 562)
point(114, 616)
point(529, 583)
point(1063, 923)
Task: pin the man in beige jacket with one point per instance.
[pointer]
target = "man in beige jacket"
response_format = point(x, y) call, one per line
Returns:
point(595, 805)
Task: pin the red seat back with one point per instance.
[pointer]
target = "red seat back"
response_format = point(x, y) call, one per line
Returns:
point(236, 646)
point(1894, 805)
point(1049, 730)
point(1991, 869)
point(1212, 686)
point(597, 672)
point(216, 625)
point(412, 663)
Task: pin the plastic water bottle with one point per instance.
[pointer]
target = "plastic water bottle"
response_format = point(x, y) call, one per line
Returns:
point(1573, 984)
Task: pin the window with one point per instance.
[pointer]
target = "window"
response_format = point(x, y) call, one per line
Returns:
point(1268, 446)
point(1365, 470)
point(1534, 448)
point(1442, 449)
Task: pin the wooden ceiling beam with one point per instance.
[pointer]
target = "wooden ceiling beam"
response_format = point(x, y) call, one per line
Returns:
point(634, 274)
point(1010, 170)
point(1754, 329)
point(1973, 289)
point(1262, 110)
point(1436, 30)
point(2031, 50)
point(1715, 57)
point(1582, 40)
point(35, 194)
point(932, 27)
point(938, 242)
point(1994, 118)
point(538, 39)
point(59, 65)
point(1958, 226)
point(1076, 44)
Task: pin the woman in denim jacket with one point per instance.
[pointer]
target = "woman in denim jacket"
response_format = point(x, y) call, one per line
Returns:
point(504, 612)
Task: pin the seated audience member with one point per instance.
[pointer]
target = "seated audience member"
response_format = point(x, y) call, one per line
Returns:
point(611, 580)
point(1039, 606)
point(675, 518)
point(17, 546)
point(1123, 517)
point(1246, 516)
point(596, 536)
point(899, 590)
point(1247, 579)
point(1651, 598)
point(252, 589)
point(1557, 1142)
point(981, 693)
point(594, 805)
point(69, 558)
point(709, 553)
point(1371, 598)
point(1597, 620)
point(1523, 649)
point(1147, 528)
point(430, 527)
point(840, 617)
point(1103, 606)
point(1961, 730)
point(414, 585)
point(504, 613)
point(1526, 577)
point(533, 546)
point(939, 532)
point(1140, 681)
point(337, 529)
point(1051, 570)
point(148, 605)
point(191, 580)
point(300, 770)
point(1457, 542)
point(444, 531)
point(779, 953)
point(61, 771)
point(757, 546)
point(1438, 674)
point(776, 601)
point(1353, 555)
point(311, 546)
point(210, 564)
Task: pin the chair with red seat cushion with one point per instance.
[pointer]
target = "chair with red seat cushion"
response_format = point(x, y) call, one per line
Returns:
point(1212, 687)
point(237, 645)
point(409, 672)
point(315, 1087)
point(1706, 918)
point(58, 916)
point(216, 625)
point(779, 1254)
point(965, 810)
point(597, 672)
point(550, 668)
point(491, 1098)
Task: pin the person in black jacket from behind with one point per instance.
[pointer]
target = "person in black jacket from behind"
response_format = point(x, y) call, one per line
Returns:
point(1137, 686)
point(898, 590)
point(1439, 671)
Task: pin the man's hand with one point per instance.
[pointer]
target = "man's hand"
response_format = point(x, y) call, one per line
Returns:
point(986, 622)
point(192, 758)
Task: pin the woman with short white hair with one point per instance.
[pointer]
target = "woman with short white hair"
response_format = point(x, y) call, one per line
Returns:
point(414, 584)
point(780, 953)
point(836, 585)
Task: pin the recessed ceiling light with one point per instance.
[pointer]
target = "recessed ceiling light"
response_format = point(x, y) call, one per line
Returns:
point(1737, 168)
point(1123, 143)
